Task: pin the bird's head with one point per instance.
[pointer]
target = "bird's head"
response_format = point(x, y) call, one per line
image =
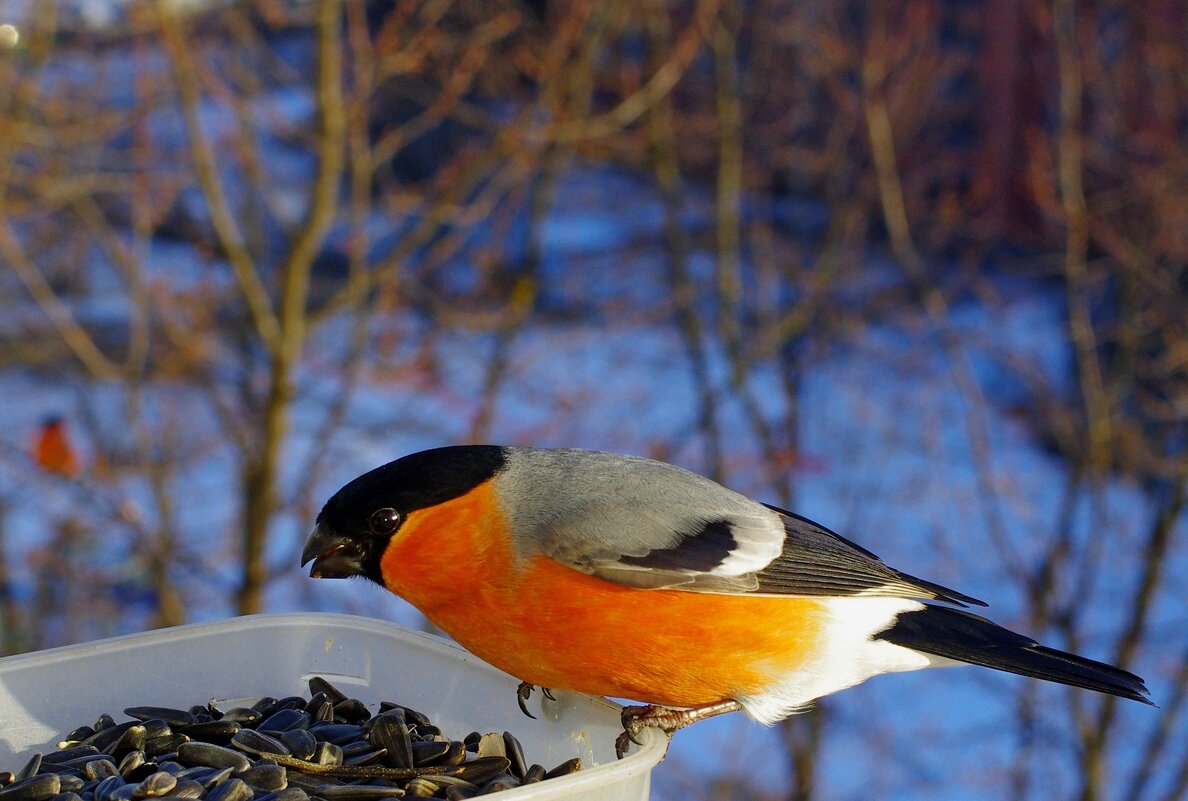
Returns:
point(356, 525)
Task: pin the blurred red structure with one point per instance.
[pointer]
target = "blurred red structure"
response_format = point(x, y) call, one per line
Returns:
point(52, 449)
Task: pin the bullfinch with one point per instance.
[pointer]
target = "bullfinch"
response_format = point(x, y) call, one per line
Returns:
point(619, 576)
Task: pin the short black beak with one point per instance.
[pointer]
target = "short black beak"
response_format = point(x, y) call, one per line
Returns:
point(333, 555)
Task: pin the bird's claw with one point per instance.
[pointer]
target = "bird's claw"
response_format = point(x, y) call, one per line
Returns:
point(637, 718)
point(524, 692)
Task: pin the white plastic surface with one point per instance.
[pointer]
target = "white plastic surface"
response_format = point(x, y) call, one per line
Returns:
point(47, 693)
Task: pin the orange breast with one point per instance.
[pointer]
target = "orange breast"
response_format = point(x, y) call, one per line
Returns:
point(556, 627)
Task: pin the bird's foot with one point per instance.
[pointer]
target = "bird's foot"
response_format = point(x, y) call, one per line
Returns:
point(637, 718)
point(524, 692)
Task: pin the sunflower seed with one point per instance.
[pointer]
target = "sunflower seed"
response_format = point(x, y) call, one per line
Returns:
point(351, 710)
point(165, 744)
point(285, 719)
point(427, 753)
point(317, 684)
point(106, 787)
point(32, 788)
point(242, 715)
point(31, 767)
point(187, 788)
point(389, 733)
point(69, 783)
point(420, 788)
point(504, 781)
point(132, 739)
point(73, 752)
point(155, 785)
point(358, 792)
point(327, 754)
point(265, 777)
point(219, 732)
point(483, 769)
point(174, 717)
point(300, 742)
point(337, 733)
point(214, 756)
point(565, 768)
point(258, 743)
point(230, 790)
point(291, 794)
point(171, 754)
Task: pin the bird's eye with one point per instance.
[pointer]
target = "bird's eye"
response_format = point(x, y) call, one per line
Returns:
point(384, 521)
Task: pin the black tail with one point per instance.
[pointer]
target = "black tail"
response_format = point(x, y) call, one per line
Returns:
point(958, 635)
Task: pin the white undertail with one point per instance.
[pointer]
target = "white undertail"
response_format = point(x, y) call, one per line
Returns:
point(848, 656)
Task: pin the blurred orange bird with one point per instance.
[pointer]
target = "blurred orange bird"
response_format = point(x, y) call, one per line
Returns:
point(52, 449)
point(625, 577)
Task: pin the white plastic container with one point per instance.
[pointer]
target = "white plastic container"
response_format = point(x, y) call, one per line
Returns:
point(47, 693)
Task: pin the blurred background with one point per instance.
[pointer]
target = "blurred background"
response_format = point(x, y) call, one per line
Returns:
point(915, 269)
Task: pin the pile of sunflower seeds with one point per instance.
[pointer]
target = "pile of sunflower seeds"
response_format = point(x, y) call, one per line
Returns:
point(325, 748)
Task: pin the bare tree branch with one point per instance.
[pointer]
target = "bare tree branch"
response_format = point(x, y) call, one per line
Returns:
point(231, 239)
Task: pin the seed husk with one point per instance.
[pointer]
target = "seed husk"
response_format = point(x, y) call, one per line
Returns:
point(491, 745)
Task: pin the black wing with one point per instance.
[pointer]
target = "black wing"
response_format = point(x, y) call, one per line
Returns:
point(817, 561)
